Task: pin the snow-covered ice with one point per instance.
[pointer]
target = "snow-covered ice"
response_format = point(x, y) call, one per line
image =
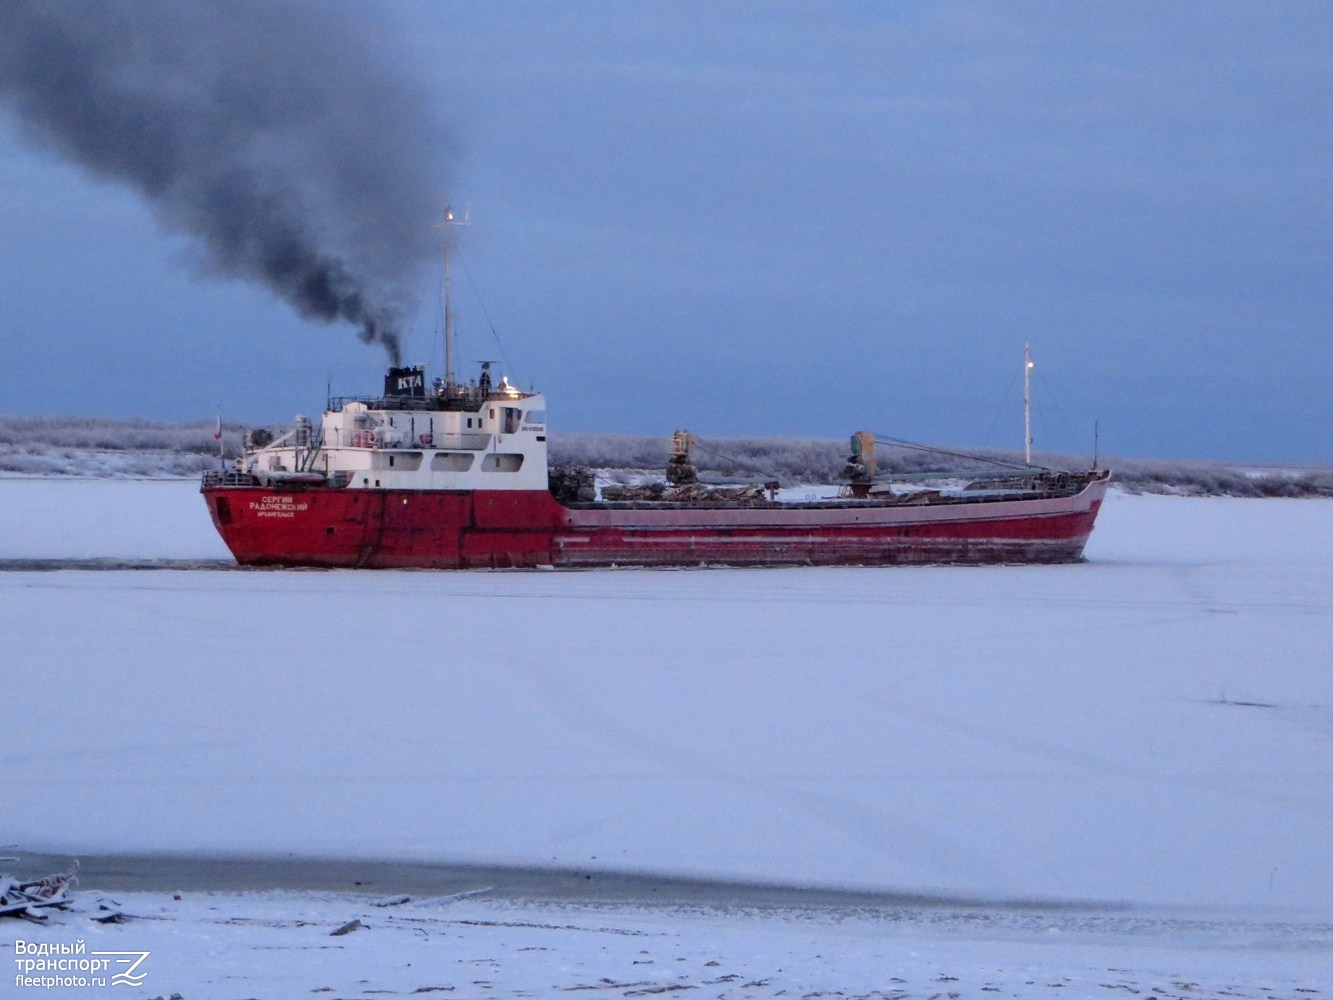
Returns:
point(1152, 727)
point(83, 518)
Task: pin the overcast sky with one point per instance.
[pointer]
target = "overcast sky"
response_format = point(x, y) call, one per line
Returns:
point(757, 219)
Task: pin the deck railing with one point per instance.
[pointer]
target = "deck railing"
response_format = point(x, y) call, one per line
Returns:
point(228, 477)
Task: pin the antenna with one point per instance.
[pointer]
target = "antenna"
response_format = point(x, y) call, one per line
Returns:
point(1027, 403)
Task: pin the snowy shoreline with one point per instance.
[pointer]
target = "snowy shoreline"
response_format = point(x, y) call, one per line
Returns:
point(275, 944)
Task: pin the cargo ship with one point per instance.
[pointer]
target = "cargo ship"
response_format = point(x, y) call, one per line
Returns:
point(441, 474)
point(447, 475)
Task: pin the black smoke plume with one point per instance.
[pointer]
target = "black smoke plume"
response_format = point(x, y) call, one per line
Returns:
point(271, 131)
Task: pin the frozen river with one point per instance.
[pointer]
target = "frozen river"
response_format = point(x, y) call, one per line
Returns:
point(1151, 728)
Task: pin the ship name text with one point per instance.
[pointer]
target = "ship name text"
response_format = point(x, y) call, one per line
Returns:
point(277, 506)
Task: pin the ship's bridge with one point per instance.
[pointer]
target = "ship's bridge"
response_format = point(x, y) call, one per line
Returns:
point(477, 436)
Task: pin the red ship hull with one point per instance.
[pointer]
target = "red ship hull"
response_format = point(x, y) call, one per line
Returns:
point(322, 526)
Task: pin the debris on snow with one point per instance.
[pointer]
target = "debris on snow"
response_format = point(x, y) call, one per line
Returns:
point(109, 912)
point(28, 899)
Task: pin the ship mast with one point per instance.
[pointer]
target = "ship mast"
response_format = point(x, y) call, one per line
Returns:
point(446, 225)
point(448, 307)
point(1027, 403)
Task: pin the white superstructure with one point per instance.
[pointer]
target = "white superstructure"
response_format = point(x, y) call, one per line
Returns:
point(457, 438)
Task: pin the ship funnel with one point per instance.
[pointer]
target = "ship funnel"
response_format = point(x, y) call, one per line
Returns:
point(409, 382)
